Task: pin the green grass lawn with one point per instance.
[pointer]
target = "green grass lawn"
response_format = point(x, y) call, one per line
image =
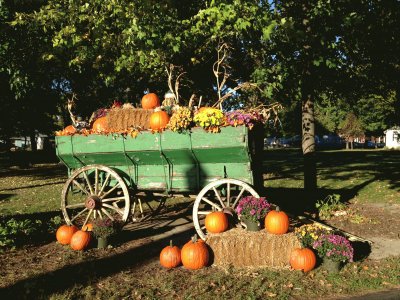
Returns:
point(364, 176)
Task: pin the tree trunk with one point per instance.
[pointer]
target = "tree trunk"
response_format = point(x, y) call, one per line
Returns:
point(32, 137)
point(308, 144)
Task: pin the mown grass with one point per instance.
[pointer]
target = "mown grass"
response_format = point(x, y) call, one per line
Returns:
point(363, 176)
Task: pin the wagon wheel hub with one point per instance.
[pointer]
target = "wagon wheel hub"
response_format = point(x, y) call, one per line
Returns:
point(93, 202)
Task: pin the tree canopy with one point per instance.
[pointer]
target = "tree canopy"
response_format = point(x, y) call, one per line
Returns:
point(323, 60)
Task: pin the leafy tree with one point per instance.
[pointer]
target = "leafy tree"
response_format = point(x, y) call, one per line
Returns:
point(350, 129)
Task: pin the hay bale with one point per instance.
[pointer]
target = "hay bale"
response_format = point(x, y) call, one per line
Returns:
point(121, 119)
point(241, 248)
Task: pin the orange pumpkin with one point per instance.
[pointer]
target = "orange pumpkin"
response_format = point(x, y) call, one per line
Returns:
point(64, 234)
point(80, 240)
point(170, 256)
point(303, 259)
point(150, 101)
point(194, 254)
point(87, 227)
point(100, 125)
point(158, 120)
point(69, 130)
point(216, 222)
point(277, 222)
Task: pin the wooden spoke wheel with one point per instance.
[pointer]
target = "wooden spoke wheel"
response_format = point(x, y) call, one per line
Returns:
point(220, 195)
point(94, 191)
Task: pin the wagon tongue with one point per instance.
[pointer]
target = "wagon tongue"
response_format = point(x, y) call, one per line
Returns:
point(93, 202)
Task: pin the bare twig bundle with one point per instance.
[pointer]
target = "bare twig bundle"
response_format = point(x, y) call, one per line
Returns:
point(268, 111)
point(174, 88)
point(70, 105)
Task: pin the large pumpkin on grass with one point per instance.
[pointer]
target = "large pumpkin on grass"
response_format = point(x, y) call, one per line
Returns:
point(158, 120)
point(150, 101)
point(64, 234)
point(216, 222)
point(170, 256)
point(100, 125)
point(80, 240)
point(277, 222)
point(194, 254)
point(303, 259)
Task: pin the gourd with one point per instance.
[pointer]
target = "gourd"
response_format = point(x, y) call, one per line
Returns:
point(170, 256)
point(194, 254)
point(216, 222)
point(303, 259)
point(150, 101)
point(158, 120)
point(277, 222)
point(80, 240)
point(64, 233)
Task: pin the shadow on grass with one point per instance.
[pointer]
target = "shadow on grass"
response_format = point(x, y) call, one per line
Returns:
point(90, 271)
point(4, 197)
point(31, 186)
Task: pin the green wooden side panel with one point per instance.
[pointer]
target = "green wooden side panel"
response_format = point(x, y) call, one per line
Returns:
point(165, 161)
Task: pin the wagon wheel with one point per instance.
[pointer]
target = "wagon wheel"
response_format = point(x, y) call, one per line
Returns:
point(94, 191)
point(220, 195)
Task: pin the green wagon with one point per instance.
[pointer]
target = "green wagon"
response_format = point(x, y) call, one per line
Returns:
point(110, 175)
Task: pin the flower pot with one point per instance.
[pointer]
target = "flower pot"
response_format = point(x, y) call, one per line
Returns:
point(102, 242)
point(331, 266)
point(251, 225)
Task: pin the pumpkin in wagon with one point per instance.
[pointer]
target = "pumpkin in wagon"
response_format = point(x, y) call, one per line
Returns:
point(64, 234)
point(170, 256)
point(194, 254)
point(158, 120)
point(216, 222)
point(150, 101)
point(100, 125)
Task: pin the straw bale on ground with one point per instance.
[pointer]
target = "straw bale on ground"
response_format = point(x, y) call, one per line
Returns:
point(241, 248)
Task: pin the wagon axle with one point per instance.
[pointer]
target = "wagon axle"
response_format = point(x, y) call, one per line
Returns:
point(93, 202)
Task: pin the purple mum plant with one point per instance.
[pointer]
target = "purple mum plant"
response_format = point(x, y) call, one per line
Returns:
point(335, 247)
point(252, 208)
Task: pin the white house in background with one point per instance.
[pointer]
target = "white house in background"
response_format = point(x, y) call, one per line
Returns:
point(393, 137)
point(25, 142)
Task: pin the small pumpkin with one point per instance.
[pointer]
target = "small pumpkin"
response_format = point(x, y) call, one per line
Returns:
point(80, 240)
point(277, 222)
point(216, 222)
point(100, 125)
point(150, 101)
point(87, 227)
point(303, 259)
point(158, 120)
point(64, 233)
point(170, 256)
point(194, 254)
